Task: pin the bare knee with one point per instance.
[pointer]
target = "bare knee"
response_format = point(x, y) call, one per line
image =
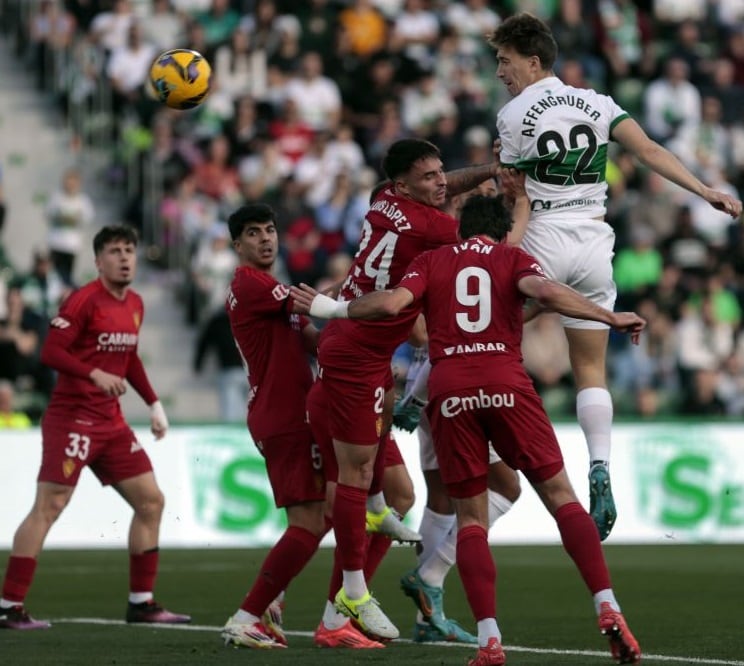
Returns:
point(503, 480)
point(149, 507)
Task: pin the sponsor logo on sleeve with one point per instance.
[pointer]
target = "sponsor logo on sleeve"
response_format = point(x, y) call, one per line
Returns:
point(60, 322)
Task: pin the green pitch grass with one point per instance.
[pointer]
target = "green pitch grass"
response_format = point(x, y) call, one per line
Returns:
point(684, 604)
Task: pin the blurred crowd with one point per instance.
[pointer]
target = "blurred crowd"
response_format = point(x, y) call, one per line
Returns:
point(308, 95)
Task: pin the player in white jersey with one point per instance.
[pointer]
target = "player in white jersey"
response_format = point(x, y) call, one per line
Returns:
point(559, 135)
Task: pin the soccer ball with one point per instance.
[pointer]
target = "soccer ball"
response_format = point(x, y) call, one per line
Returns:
point(181, 78)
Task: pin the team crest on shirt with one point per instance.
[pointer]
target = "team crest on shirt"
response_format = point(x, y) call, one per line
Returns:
point(60, 322)
point(137, 319)
point(538, 268)
point(68, 467)
point(378, 426)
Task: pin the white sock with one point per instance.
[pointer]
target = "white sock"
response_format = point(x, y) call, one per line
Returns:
point(140, 597)
point(435, 568)
point(487, 628)
point(594, 411)
point(376, 502)
point(244, 617)
point(433, 530)
point(498, 505)
point(607, 596)
point(354, 584)
point(7, 603)
point(332, 619)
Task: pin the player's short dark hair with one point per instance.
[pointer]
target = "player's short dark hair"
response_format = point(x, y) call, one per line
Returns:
point(378, 188)
point(243, 216)
point(528, 36)
point(485, 215)
point(113, 233)
point(403, 154)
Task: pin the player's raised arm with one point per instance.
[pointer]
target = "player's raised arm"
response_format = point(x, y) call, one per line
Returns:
point(571, 303)
point(632, 137)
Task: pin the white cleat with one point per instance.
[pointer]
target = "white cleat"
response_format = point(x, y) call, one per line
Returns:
point(367, 615)
point(387, 522)
point(252, 635)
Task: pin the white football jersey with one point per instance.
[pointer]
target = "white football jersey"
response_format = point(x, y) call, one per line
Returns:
point(558, 136)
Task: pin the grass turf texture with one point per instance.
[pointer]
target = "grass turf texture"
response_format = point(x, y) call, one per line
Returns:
point(683, 603)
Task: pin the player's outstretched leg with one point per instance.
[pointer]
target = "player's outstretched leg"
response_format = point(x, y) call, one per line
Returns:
point(601, 503)
point(623, 645)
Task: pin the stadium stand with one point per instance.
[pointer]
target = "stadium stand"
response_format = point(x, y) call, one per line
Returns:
point(306, 98)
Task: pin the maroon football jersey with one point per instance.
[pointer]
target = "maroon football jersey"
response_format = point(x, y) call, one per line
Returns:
point(100, 331)
point(270, 342)
point(395, 231)
point(473, 309)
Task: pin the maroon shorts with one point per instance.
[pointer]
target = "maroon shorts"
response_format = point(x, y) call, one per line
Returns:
point(513, 419)
point(294, 464)
point(113, 454)
point(317, 409)
point(355, 381)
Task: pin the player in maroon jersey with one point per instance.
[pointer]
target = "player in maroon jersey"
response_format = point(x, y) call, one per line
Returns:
point(274, 345)
point(404, 219)
point(92, 344)
point(472, 294)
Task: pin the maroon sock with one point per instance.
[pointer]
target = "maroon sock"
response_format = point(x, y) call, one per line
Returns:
point(477, 571)
point(350, 525)
point(143, 569)
point(284, 561)
point(581, 541)
point(18, 578)
point(337, 576)
point(377, 546)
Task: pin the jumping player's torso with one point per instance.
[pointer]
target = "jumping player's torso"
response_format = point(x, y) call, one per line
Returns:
point(394, 232)
point(558, 135)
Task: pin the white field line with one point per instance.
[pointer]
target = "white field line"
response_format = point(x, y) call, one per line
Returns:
point(508, 648)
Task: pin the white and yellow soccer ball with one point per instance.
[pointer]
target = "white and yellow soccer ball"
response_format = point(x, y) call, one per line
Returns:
point(181, 78)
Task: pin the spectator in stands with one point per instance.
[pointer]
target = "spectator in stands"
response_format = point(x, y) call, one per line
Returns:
point(21, 334)
point(672, 103)
point(11, 418)
point(318, 98)
point(69, 213)
point(365, 28)
point(637, 268)
point(414, 37)
point(212, 269)
point(163, 27)
point(290, 132)
point(42, 289)
point(110, 29)
point(52, 29)
point(232, 388)
point(219, 23)
point(240, 68)
point(216, 175)
point(423, 103)
point(127, 71)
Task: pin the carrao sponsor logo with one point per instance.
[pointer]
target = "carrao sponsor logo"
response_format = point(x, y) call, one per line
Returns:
point(457, 404)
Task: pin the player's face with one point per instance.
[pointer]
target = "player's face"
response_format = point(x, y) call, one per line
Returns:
point(257, 245)
point(425, 182)
point(517, 71)
point(117, 262)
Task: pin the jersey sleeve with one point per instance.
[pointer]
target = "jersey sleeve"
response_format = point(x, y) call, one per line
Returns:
point(416, 276)
point(262, 293)
point(509, 155)
point(615, 112)
point(64, 329)
point(525, 264)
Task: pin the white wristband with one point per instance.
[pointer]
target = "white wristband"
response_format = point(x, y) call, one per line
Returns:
point(157, 414)
point(326, 307)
